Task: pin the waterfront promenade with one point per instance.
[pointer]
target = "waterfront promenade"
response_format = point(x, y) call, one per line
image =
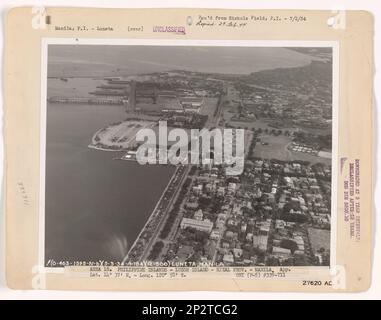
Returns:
point(143, 244)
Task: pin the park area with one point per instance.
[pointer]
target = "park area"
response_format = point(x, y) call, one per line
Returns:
point(273, 147)
point(277, 147)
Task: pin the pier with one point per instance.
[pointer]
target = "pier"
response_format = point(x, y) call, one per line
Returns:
point(97, 100)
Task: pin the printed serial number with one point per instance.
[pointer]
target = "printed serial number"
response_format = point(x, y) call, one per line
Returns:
point(316, 283)
point(209, 309)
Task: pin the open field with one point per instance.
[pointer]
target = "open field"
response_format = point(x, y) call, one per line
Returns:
point(319, 238)
point(256, 124)
point(276, 147)
point(263, 124)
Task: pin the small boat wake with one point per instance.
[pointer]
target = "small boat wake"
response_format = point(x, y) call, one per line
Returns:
point(117, 247)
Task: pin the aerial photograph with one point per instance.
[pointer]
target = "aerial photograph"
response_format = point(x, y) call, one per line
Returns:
point(103, 206)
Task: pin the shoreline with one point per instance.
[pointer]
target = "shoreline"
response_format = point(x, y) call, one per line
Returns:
point(151, 216)
point(91, 146)
point(105, 139)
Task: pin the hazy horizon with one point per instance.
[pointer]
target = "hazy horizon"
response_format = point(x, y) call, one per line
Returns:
point(80, 60)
